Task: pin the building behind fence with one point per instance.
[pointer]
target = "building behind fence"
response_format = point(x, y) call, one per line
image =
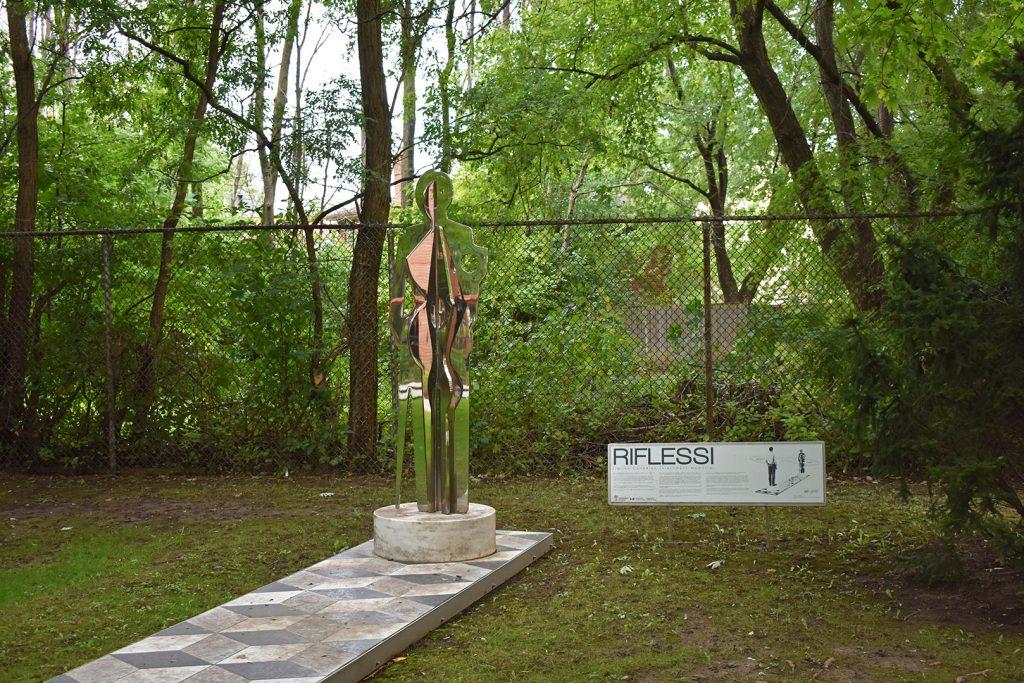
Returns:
point(589, 332)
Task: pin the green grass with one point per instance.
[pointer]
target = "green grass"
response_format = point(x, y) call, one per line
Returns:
point(612, 601)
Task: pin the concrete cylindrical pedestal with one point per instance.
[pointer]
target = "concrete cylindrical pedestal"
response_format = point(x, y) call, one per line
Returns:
point(405, 534)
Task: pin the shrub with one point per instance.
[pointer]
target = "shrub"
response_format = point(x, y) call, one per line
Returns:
point(936, 382)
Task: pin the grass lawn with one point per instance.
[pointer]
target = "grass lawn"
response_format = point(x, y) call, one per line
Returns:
point(92, 564)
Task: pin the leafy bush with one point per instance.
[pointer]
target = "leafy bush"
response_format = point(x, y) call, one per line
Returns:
point(935, 564)
point(937, 385)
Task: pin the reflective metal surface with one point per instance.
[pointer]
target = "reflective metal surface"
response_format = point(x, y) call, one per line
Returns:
point(434, 292)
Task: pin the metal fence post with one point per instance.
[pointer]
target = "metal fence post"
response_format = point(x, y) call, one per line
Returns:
point(709, 361)
point(108, 326)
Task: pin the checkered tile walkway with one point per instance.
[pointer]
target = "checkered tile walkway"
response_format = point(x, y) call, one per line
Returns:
point(307, 627)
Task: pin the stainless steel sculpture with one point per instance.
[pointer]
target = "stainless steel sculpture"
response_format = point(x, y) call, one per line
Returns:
point(433, 329)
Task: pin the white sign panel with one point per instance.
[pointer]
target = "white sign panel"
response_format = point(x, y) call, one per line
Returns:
point(779, 473)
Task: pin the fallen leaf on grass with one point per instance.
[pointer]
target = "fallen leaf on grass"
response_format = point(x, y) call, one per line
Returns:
point(625, 569)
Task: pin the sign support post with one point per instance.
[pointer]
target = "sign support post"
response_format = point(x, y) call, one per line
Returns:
point(709, 363)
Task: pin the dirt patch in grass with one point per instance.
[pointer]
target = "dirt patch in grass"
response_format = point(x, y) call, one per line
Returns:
point(884, 659)
point(136, 498)
point(847, 663)
point(144, 510)
point(990, 595)
point(737, 670)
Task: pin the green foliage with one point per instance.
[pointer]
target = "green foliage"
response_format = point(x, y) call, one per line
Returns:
point(935, 379)
point(935, 564)
point(938, 392)
point(233, 389)
point(560, 361)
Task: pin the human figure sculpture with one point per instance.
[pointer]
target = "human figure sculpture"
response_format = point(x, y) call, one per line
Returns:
point(434, 292)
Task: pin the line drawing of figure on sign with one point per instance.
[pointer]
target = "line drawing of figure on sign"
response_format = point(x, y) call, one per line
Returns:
point(772, 465)
point(801, 458)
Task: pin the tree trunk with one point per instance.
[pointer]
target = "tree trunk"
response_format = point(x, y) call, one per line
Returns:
point(197, 198)
point(574, 192)
point(407, 160)
point(851, 185)
point(277, 115)
point(260, 113)
point(317, 373)
point(444, 83)
point(365, 273)
point(470, 43)
point(236, 183)
point(839, 109)
point(28, 438)
point(15, 336)
point(886, 123)
point(716, 175)
point(413, 30)
point(959, 99)
point(854, 253)
point(298, 148)
point(146, 381)
point(880, 125)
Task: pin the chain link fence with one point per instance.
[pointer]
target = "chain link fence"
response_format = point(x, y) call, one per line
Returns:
point(226, 348)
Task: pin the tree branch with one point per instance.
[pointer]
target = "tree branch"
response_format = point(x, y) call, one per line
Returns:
point(355, 198)
point(261, 137)
point(808, 45)
point(728, 53)
point(679, 179)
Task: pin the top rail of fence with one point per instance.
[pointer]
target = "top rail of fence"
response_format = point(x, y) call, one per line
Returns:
point(556, 222)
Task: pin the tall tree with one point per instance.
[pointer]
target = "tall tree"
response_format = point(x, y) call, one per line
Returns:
point(363, 319)
point(298, 163)
point(317, 369)
point(413, 30)
point(291, 32)
point(854, 253)
point(444, 89)
point(841, 95)
point(146, 381)
point(15, 336)
point(851, 186)
point(259, 107)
